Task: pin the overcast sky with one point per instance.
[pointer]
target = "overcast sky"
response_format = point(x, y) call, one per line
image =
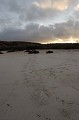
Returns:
point(42, 21)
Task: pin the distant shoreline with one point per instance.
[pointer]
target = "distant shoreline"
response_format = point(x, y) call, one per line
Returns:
point(19, 45)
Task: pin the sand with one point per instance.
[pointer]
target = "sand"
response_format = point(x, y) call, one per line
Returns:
point(39, 87)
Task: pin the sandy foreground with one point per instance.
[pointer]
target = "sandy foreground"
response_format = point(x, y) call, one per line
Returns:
point(39, 87)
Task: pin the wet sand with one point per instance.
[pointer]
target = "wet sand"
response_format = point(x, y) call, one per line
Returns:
point(39, 87)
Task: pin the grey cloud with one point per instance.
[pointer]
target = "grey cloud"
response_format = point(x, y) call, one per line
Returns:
point(67, 29)
point(15, 14)
point(32, 32)
point(34, 13)
point(37, 33)
point(76, 15)
point(14, 6)
point(23, 11)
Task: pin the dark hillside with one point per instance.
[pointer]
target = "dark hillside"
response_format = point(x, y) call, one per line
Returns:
point(18, 45)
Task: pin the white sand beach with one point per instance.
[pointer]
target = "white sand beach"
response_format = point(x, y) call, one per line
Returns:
point(39, 86)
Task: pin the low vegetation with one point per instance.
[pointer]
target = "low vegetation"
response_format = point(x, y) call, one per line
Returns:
point(19, 46)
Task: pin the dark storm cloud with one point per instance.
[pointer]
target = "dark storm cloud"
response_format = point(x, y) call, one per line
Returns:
point(36, 33)
point(32, 32)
